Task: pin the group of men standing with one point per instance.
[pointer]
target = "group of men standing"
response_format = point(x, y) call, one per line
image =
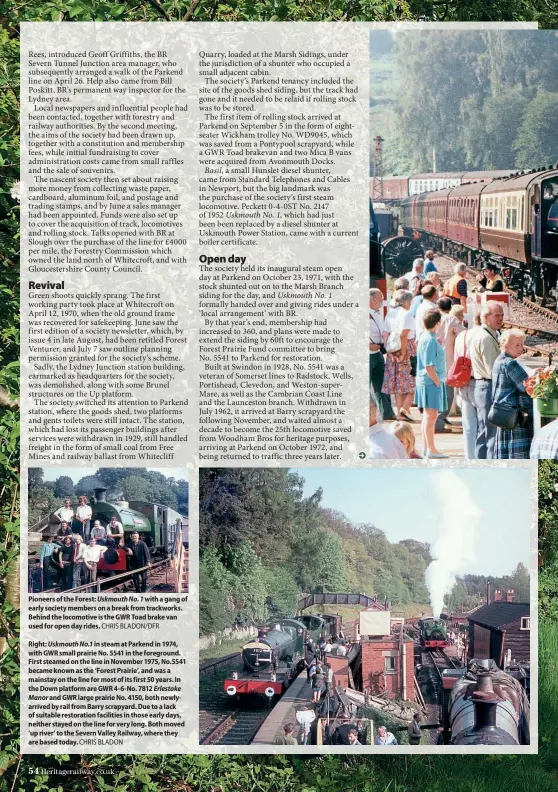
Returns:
point(71, 557)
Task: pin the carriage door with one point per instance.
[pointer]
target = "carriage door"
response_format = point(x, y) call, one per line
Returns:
point(536, 222)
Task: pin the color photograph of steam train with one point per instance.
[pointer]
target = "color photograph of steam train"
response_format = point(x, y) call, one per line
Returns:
point(93, 531)
point(464, 244)
point(360, 608)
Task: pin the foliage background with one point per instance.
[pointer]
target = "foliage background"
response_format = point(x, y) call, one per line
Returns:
point(221, 773)
point(481, 99)
point(133, 484)
point(262, 544)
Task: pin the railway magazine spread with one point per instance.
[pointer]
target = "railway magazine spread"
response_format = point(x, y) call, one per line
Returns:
point(289, 408)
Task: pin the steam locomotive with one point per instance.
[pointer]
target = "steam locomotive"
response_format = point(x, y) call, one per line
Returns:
point(387, 251)
point(486, 706)
point(433, 633)
point(276, 656)
point(156, 524)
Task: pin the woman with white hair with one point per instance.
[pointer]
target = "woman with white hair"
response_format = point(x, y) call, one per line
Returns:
point(399, 341)
point(512, 408)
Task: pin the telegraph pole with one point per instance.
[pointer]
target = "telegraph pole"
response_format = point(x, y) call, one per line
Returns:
point(378, 171)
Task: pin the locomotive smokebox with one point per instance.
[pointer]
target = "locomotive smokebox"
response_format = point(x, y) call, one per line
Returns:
point(101, 494)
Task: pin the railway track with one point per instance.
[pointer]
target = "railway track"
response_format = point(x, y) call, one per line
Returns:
point(238, 728)
point(225, 722)
point(542, 338)
point(434, 662)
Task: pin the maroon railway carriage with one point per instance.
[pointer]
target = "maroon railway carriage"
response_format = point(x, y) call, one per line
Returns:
point(432, 211)
point(512, 221)
point(463, 215)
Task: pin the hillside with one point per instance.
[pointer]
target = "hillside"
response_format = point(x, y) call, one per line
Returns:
point(480, 99)
point(262, 542)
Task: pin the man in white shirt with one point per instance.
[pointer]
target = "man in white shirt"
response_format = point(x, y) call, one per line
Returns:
point(485, 348)
point(376, 357)
point(66, 513)
point(383, 445)
point(91, 556)
point(416, 274)
point(428, 303)
point(342, 650)
point(83, 516)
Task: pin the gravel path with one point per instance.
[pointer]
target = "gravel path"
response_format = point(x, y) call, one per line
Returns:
point(542, 330)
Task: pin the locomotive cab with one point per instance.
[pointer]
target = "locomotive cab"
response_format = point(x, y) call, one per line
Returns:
point(376, 257)
point(549, 218)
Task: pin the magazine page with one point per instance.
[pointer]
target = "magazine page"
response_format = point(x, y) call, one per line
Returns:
point(194, 258)
point(287, 311)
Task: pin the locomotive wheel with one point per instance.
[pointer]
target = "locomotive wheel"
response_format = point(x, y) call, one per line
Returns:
point(399, 253)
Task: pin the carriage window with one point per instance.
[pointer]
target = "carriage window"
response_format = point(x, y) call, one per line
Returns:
point(511, 212)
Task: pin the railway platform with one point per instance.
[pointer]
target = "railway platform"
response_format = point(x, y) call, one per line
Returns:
point(449, 442)
point(284, 711)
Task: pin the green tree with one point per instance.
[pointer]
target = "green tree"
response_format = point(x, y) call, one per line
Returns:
point(248, 591)
point(41, 503)
point(539, 11)
point(282, 592)
point(64, 487)
point(537, 138)
point(489, 130)
point(182, 496)
point(215, 606)
point(34, 478)
point(135, 488)
point(548, 510)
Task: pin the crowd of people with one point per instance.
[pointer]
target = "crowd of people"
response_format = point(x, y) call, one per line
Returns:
point(70, 558)
point(424, 346)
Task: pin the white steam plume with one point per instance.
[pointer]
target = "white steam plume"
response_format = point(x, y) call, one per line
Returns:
point(457, 541)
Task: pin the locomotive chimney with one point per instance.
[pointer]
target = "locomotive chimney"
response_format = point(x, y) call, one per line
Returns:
point(485, 702)
point(262, 633)
point(100, 494)
point(488, 592)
